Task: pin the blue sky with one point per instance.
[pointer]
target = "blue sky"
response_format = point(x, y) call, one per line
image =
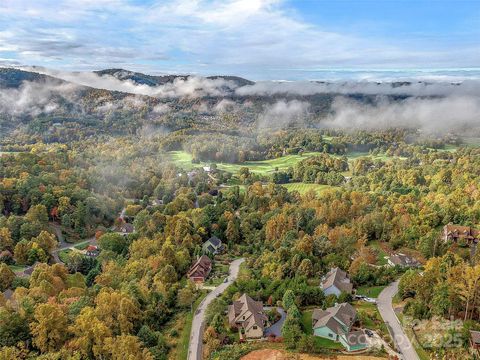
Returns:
point(258, 39)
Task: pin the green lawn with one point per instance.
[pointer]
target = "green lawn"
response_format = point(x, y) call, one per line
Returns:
point(17, 268)
point(307, 321)
point(302, 188)
point(262, 167)
point(82, 245)
point(372, 291)
point(320, 343)
point(381, 260)
point(63, 255)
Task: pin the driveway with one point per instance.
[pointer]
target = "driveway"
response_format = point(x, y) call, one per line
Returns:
point(276, 329)
point(402, 342)
point(198, 324)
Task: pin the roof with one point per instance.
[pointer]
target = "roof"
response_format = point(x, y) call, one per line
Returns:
point(404, 260)
point(459, 231)
point(201, 267)
point(335, 318)
point(251, 309)
point(475, 336)
point(91, 248)
point(215, 241)
point(338, 278)
point(127, 227)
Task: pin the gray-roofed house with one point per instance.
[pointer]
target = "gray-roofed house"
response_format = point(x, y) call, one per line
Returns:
point(213, 245)
point(335, 282)
point(248, 314)
point(403, 260)
point(335, 323)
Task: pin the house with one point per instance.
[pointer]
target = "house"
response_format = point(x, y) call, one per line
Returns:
point(126, 228)
point(92, 250)
point(335, 323)
point(475, 339)
point(335, 282)
point(403, 260)
point(464, 235)
point(200, 270)
point(213, 246)
point(248, 315)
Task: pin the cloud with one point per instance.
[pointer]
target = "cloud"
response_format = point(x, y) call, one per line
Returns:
point(192, 86)
point(409, 88)
point(433, 115)
point(34, 98)
point(259, 38)
point(283, 113)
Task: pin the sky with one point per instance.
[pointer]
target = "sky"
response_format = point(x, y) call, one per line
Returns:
point(256, 39)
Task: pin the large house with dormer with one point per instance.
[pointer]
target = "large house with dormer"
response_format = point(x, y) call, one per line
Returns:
point(248, 315)
point(464, 235)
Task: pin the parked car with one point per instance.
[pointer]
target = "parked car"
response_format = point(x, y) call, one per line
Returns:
point(369, 332)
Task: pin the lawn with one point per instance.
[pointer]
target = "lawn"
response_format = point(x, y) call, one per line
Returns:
point(262, 167)
point(17, 268)
point(82, 245)
point(372, 291)
point(381, 253)
point(302, 188)
point(63, 255)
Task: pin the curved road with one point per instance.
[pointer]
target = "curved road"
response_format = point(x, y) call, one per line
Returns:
point(402, 342)
point(198, 324)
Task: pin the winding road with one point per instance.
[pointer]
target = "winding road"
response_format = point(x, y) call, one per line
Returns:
point(198, 324)
point(401, 340)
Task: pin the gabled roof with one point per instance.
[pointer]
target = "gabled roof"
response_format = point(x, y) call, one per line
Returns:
point(338, 278)
point(404, 260)
point(336, 318)
point(459, 231)
point(215, 241)
point(201, 267)
point(251, 309)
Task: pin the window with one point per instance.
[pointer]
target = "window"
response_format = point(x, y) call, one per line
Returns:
point(330, 335)
point(254, 327)
point(243, 317)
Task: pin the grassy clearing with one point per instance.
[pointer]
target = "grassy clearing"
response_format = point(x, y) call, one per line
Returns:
point(17, 268)
point(82, 246)
point(372, 291)
point(63, 255)
point(381, 254)
point(302, 188)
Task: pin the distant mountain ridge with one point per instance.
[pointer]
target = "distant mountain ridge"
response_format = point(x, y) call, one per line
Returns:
point(156, 80)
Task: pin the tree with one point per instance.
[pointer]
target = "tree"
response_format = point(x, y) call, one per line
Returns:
point(288, 299)
point(113, 242)
point(6, 242)
point(6, 277)
point(126, 347)
point(49, 328)
point(90, 334)
point(186, 296)
point(46, 241)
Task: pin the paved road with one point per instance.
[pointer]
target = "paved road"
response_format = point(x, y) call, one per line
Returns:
point(198, 323)
point(402, 342)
